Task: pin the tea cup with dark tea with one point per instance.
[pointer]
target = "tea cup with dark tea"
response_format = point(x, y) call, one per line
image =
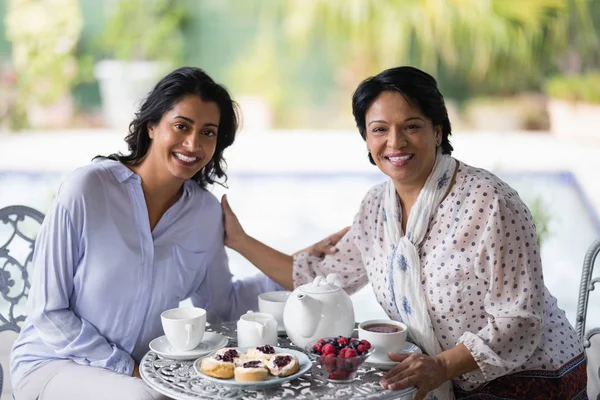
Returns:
point(385, 336)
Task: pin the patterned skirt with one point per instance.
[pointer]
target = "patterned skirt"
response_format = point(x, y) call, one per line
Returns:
point(567, 383)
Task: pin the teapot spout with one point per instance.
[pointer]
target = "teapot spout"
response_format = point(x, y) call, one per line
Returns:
point(310, 314)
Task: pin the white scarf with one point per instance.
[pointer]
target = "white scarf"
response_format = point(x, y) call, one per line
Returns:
point(404, 264)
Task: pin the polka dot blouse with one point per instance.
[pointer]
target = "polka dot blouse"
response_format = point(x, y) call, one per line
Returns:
point(481, 273)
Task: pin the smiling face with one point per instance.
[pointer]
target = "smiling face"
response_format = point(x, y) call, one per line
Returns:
point(185, 138)
point(402, 140)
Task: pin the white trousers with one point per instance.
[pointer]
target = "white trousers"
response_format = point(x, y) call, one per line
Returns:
point(65, 380)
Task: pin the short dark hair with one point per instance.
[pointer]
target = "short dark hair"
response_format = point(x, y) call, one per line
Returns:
point(418, 88)
point(185, 81)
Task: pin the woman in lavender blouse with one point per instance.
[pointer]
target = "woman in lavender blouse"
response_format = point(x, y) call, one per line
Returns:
point(128, 237)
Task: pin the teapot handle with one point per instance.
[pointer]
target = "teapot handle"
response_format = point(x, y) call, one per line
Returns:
point(334, 279)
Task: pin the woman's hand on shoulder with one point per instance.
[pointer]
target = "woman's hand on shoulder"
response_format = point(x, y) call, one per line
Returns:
point(424, 372)
point(234, 233)
point(325, 246)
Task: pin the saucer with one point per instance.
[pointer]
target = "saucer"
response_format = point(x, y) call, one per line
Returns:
point(385, 364)
point(211, 341)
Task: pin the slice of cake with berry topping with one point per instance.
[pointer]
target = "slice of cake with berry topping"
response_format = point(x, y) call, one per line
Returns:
point(283, 364)
point(251, 371)
point(265, 353)
point(221, 364)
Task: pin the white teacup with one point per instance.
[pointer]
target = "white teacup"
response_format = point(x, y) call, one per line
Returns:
point(184, 327)
point(385, 336)
point(273, 303)
point(256, 329)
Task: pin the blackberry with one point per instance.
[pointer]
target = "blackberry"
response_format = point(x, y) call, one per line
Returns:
point(228, 356)
point(267, 349)
point(282, 361)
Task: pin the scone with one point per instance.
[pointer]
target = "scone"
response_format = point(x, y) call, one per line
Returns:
point(217, 368)
point(283, 364)
point(251, 371)
point(221, 364)
point(265, 352)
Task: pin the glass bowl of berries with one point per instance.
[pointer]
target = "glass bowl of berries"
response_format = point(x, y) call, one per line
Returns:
point(339, 357)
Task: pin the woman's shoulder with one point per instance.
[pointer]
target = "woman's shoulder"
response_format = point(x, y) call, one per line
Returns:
point(86, 180)
point(483, 183)
point(484, 189)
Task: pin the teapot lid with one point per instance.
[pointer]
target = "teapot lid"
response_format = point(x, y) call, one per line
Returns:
point(320, 284)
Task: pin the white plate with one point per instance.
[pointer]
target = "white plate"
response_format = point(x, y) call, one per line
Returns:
point(386, 364)
point(272, 381)
point(211, 341)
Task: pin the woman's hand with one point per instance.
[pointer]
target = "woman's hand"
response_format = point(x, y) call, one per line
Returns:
point(325, 246)
point(424, 372)
point(234, 233)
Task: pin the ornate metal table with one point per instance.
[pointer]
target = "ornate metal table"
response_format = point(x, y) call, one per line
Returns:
point(178, 380)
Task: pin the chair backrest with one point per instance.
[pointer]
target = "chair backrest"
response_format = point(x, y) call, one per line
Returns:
point(19, 226)
point(591, 339)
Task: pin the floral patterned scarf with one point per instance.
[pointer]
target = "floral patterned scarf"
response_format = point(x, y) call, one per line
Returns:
point(403, 263)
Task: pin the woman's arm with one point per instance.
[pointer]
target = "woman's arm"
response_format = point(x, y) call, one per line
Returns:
point(508, 260)
point(275, 264)
point(70, 336)
point(457, 361)
point(289, 271)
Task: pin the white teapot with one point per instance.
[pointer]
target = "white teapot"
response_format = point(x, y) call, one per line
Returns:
point(317, 310)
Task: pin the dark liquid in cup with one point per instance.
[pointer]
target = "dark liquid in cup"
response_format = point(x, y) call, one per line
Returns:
point(382, 328)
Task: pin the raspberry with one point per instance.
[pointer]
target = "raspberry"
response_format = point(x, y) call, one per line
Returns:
point(362, 349)
point(317, 349)
point(343, 341)
point(328, 349)
point(365, 343)
point(321, 342)
point(349, 353)
point(328, 360)
point(342, 352)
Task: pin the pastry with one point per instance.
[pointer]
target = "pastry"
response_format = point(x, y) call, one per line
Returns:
point(283, 364)
point(221, 364)
point(251, 371)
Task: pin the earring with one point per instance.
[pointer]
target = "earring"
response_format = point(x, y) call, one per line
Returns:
point(439, 142)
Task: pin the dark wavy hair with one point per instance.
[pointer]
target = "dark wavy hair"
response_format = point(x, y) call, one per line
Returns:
point(185, 81)
point(417, 87)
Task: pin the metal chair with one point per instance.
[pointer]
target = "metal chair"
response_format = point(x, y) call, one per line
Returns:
point(592, 349)
point(19, 226)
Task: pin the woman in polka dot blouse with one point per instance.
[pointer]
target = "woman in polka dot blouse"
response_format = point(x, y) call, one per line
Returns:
point(450, 250)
